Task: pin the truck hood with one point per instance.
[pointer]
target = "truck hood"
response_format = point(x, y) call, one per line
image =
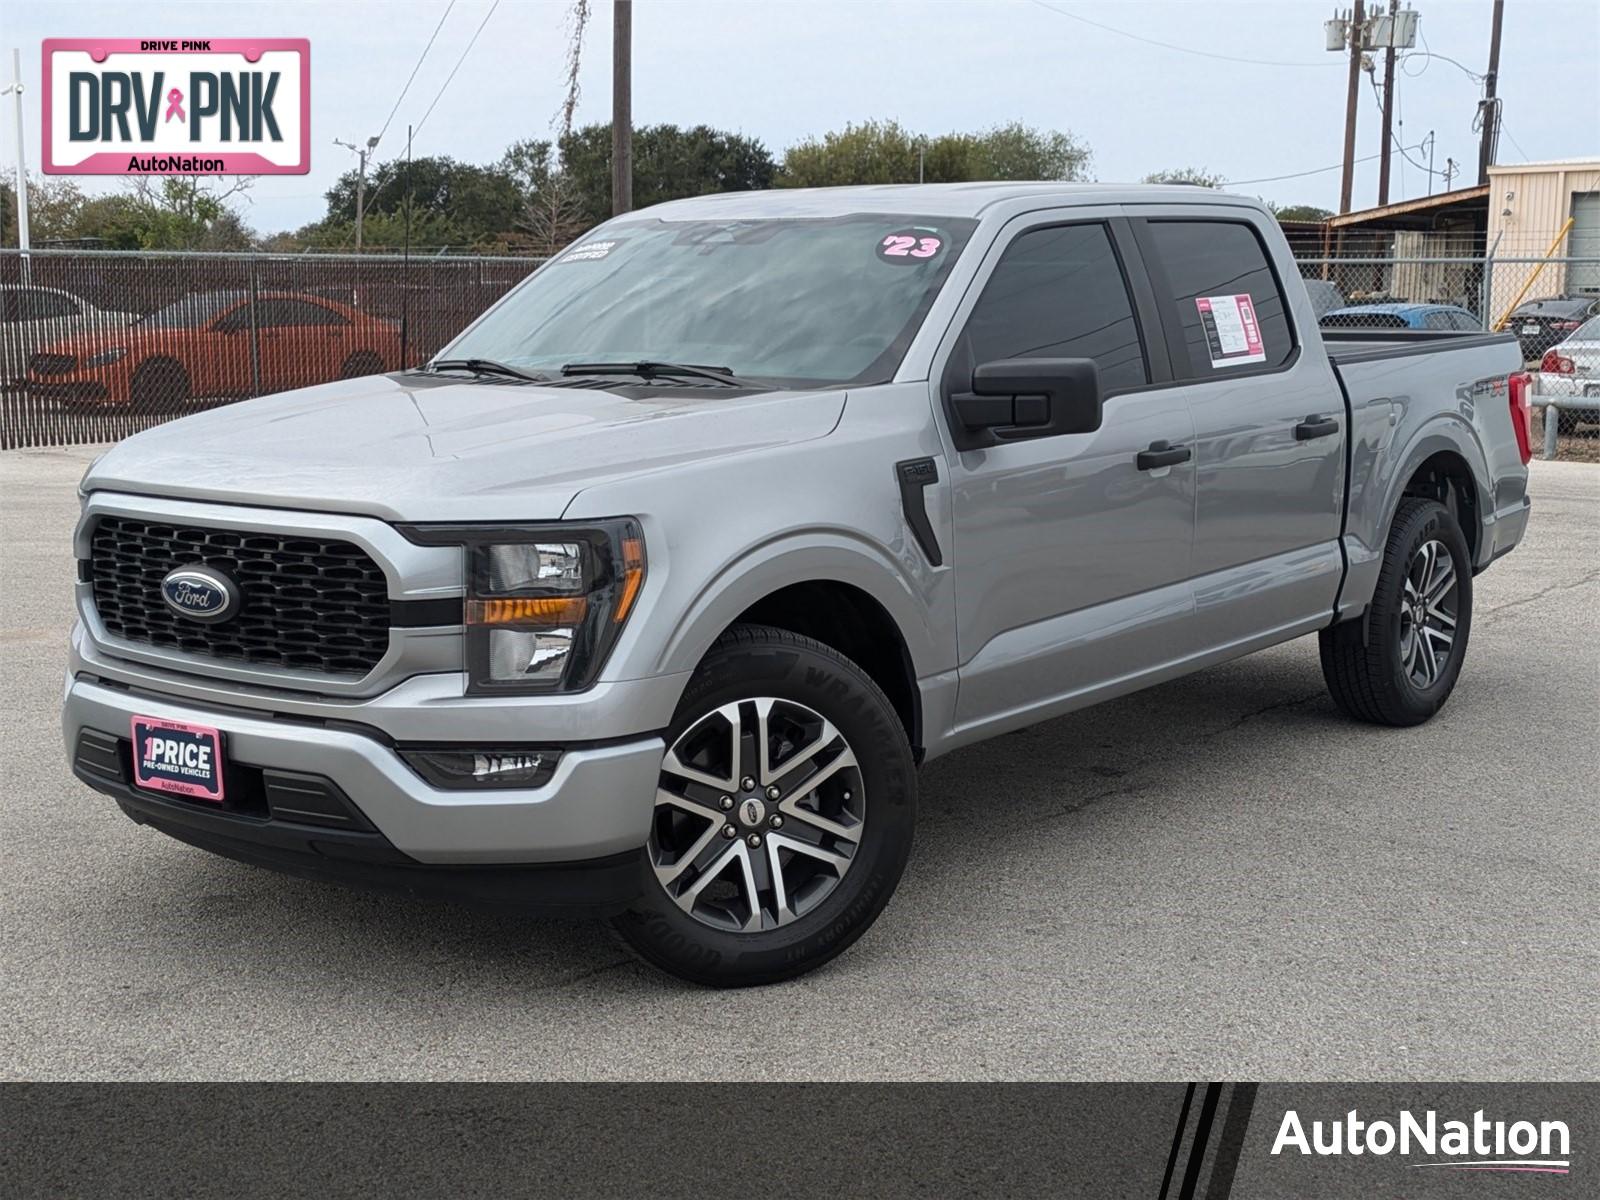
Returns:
point(418, 448)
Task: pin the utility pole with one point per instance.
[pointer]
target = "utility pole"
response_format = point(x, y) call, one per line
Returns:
point(1489, 107)
point(361, 153)
point(1388, 108)
point(1352, 96)
point(621, 106)
point(22, 161)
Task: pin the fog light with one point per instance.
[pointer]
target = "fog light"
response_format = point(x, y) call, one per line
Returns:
point(472, 769)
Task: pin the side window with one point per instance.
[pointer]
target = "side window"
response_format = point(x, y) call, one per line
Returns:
point(1207, 260)
point(1438, 320)
point(303, 312)
point(40, 306)
point(1056, 293)
point(1465, 321)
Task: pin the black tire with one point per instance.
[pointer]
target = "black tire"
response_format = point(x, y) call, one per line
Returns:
point(1364, 660)
point(160, 385)
point(362, 362)
point(757, 661)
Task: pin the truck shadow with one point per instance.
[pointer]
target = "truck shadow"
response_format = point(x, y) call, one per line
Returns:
point(1138, 750)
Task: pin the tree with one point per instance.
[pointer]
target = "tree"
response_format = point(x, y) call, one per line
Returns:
point(669, 163)
point(1299, 212)
point(886, 152)
point(1198, 176)
point(475, 205)
point(552, 213)
point(153, 213)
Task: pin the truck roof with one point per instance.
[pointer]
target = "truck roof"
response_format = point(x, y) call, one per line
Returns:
point(933, 199)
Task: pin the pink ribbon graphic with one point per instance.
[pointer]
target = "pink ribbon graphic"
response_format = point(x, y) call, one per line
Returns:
point(175, 105)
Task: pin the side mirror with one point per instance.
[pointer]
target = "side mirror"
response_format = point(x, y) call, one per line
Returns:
point(1016, 398)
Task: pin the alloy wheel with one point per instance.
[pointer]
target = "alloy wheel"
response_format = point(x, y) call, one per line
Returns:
point(1429, 606)
point(759, 813)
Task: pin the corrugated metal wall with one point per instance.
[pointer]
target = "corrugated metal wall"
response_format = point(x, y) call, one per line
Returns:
point(1539, 200)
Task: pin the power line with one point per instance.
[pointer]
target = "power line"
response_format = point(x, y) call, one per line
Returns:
point(415, 69)
point(1303, 174)
point(457, 67)
point(1258, 62)
point(415, 129)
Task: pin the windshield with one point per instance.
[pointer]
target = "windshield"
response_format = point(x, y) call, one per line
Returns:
point(192, 311)
point(801, 303)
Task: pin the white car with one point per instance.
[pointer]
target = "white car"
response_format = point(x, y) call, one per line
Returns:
point(33, 318)
point(1571, 369)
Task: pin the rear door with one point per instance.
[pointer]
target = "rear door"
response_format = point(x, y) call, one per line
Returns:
point(1072, 562)
point(1269, 423)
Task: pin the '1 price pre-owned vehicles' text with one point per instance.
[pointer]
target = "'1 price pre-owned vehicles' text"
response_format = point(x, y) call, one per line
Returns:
point(650, 592)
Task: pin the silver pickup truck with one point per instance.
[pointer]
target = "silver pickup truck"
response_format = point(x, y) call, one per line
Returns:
point(648, 595)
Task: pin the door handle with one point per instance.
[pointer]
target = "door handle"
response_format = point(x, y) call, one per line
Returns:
point(1162, 454)
point(1315, 426)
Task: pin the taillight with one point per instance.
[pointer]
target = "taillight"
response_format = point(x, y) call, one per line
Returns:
point(1517, 387)
point(1565, 324)
point(1555, 363)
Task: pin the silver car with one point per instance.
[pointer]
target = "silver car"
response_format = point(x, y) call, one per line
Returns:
point(34, 318)
point(651, 591)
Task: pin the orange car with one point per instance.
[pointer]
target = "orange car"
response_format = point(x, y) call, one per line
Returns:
point(200, 346)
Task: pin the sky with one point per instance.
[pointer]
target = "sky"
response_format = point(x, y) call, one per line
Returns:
point(783, 70)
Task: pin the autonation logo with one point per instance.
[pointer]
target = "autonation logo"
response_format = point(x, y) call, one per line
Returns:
point(1478, 1145)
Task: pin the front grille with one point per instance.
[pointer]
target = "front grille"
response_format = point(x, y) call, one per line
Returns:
point(52, 364)
point(309, 604)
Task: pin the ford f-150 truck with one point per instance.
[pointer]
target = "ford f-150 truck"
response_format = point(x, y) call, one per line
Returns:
point(649, 593)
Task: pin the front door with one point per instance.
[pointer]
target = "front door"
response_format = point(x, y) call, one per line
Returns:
point(1072, 554)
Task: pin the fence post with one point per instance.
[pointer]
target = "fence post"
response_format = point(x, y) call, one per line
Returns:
point(255, 330)
point(1486, 290)
point(1552, 427)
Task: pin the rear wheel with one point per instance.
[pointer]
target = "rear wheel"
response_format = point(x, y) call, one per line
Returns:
point(1398, 663)
point(159, 385)
point(783, 818)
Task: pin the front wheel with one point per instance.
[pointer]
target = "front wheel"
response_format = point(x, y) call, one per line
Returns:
point(783, 816)
point(1398, 663)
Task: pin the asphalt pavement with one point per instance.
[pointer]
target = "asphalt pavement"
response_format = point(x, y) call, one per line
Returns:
point(1218, 878)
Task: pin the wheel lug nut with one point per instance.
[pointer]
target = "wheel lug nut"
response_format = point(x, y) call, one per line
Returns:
point(847, 795)
point(726, 802)
point(754, 839)
point(773, 793)
point(729, 831)
point(776, 822)
point(748, 784)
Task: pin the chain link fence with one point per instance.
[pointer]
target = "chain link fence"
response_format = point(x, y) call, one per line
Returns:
point(96, 345)
point(1551, 306)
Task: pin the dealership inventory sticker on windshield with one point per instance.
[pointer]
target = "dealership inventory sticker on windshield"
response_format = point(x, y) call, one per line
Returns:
point(1232, 334)
point(150, 106)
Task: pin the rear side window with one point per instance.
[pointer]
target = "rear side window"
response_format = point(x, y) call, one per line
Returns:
point(1207, 264)
point(1057, 292)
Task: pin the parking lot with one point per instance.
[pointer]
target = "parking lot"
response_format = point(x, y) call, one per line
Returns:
point(1220, 878)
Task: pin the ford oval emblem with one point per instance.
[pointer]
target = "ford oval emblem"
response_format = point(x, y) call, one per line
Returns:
point(200, 593)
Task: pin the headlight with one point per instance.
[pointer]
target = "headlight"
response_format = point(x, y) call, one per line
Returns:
point(545, 604)
point(106, 357)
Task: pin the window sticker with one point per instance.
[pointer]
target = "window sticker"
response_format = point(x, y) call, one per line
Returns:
point(589, 251)
point(910, 246)
point(1232, 334)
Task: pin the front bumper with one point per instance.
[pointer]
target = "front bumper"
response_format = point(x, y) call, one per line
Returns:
point(596, 806)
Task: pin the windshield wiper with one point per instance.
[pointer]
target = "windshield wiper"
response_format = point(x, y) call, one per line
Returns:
point(483, 366)
point(661, 370)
